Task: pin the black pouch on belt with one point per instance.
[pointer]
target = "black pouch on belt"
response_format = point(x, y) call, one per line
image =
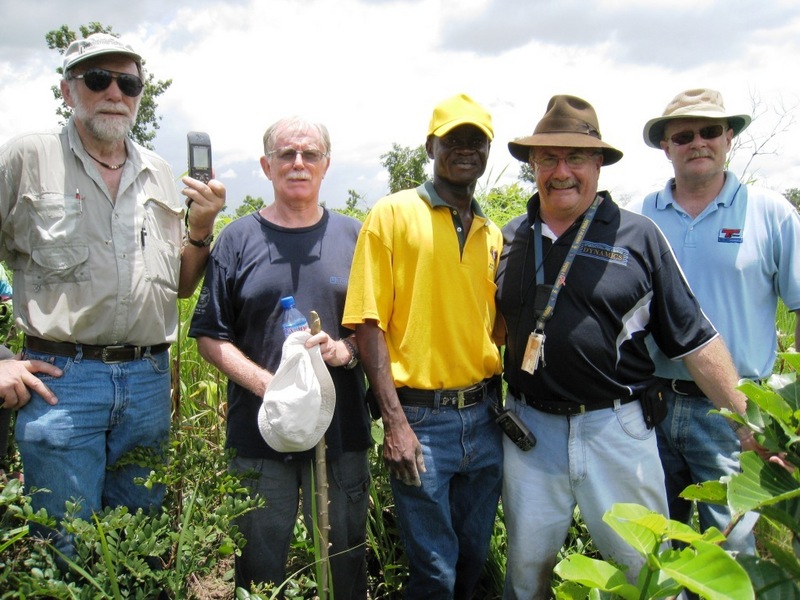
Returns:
point(654, 403)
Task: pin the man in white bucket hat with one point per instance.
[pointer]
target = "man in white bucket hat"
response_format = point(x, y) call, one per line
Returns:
point(739, 247)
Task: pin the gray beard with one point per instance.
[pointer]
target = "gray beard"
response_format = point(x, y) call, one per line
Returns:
point(107, 129)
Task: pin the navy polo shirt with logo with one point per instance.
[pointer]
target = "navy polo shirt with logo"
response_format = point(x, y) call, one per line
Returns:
point(624, 284)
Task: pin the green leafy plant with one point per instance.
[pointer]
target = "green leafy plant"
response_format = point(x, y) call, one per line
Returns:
point(123, 554)
point(773, 414)
point(701, 566)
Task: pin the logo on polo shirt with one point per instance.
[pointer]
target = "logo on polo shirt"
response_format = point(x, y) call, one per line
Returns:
point(493, 254)
point(612, 254)
point(730, 236)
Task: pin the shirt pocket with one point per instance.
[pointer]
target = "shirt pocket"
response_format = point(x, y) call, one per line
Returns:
point(59, 264)
point(161, 243)
point(48, 218)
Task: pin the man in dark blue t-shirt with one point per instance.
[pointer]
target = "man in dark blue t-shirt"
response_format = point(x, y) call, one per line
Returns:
point(292, 247)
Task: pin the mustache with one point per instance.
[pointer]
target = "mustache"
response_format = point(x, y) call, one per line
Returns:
point(115, 108)
point(563, 184)
point(699, 154)
point(299, 176)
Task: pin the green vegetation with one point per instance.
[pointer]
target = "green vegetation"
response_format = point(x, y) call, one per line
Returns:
point(186, 551)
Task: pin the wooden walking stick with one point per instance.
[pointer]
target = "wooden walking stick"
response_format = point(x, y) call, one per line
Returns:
point(321, 469)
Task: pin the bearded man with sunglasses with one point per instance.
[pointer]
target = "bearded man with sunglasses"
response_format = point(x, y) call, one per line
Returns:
point(93, 227)
point(739, 247)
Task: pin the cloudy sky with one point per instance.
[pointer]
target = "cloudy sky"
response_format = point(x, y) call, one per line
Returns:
point(372, 70)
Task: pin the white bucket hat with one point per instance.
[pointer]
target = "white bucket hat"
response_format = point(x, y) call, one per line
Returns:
point(701, 103)
point(299, 401)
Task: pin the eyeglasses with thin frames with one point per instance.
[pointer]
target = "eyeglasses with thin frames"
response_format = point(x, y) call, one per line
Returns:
point(98, 80)
point(707, 133)
point(289, 155)
point(575, 160)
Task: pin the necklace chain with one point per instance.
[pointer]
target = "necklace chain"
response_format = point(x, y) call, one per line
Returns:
point(105, 164)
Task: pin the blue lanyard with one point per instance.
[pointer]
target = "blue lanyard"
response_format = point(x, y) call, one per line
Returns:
point(567, 264)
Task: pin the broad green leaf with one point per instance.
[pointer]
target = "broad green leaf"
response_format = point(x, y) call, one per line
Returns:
point(783, 556)
point(768, 400)
point(570, 590)
point(709, 571)
point(791, 358)
point(687, 534)
point(770, 582)
point(714, 492)
point(595, 573)
point(641, 528)
point(760, 484)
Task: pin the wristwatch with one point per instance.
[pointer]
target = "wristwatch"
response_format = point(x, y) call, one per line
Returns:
point(204, 243)
point(734, 425)
point(353, 354)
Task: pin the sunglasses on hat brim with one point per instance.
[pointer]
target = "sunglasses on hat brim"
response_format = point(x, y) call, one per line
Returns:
point(98, 80)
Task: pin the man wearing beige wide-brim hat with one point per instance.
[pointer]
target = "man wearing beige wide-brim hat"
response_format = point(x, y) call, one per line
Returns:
point(739, 247)
point(581, 284)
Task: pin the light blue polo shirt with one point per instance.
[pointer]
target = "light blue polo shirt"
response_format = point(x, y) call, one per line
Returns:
point(739, 255)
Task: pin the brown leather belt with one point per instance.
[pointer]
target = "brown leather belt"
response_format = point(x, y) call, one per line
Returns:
point(108, 354)
point(564, 407)
point(459, 398)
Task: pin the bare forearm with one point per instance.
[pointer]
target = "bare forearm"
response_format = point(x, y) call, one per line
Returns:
point(377, 366)
point(712, 369)
point(193, 265)
point(234, 364)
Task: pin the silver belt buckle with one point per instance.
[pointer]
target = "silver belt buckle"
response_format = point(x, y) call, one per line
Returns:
point(107, 349)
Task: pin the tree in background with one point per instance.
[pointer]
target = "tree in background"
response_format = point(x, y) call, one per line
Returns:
point(144, 130)
point(249, 205)
point(793, 196)
point(406, 166)
point(526, 174)
point(774, 119)
point(351, 208)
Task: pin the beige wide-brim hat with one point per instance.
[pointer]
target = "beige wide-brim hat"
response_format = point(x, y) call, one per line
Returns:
point(568, 122)
point(298, 405)
point(700, 103)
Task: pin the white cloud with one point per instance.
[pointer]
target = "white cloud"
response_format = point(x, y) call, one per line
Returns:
point(372, 71)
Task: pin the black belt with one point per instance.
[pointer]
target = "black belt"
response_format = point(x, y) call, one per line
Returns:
point(108, 354)
point(459, 398)
point(682, 387)
point(564, 407)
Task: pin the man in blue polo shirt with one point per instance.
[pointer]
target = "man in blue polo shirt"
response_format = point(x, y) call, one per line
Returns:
point(739, 247)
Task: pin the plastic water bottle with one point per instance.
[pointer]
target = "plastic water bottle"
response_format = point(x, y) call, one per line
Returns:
point(293, 319)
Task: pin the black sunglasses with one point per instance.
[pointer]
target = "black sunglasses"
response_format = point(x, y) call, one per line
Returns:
point(707, 133)
point(99, 79)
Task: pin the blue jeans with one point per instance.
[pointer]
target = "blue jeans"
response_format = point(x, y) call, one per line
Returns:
point(697, 447)
point(104, 411)
point(446, 524)
point(269, 530)
point(593, 460)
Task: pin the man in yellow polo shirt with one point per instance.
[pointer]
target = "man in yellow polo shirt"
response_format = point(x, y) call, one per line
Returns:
point(421, 299)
